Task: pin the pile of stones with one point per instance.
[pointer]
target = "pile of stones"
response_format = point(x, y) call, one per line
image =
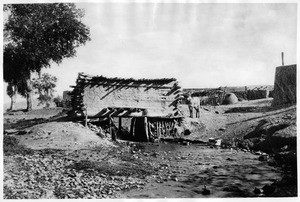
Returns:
point(39, 176)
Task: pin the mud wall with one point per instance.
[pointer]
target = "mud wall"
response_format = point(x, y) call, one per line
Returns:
point(257, 94)
point(98, 97)
point(285, 85)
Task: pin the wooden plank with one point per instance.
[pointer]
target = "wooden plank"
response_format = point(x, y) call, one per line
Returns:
point(131, 126)
point(146, 128)
point(111, 130)
point(109, 125)
point(150, 131)
point(172, 127)
point(86, 116)
point(114, 131)
point(159, 130)
point(168, 128)
point(120, 123)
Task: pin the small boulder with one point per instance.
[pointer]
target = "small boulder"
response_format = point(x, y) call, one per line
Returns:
point(257, 191)
point(263, 158)
point(205, 191)
point(268, 189)
point(10, 131)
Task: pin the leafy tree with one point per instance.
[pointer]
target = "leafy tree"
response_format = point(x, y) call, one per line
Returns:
point(11, 91)
point(38, 34)
point(16, 73)
point(45, 85)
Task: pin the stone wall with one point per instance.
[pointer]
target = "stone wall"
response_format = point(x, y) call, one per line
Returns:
point(285, 89)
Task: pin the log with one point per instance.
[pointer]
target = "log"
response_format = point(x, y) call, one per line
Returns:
point(149, 130)
point(112, 129)
point(146, 128)
point(159, 130)
point(131, 126)
point(85, 119)
point(168, 128)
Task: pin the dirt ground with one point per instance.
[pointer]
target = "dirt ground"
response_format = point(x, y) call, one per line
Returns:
point(47, 156)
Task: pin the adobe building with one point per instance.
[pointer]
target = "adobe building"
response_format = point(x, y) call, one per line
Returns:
point(149, 103)
point(285, 88)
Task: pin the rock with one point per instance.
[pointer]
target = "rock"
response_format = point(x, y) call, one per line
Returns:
point(288, 116)
point(155, 154)
point(272, 162)
point(257, 191)
point(218, 142)
point(286, 136)
point(10, 131)
point(81, 193)
point(205, 191)
point(206, 109)
point(71, 195)
point(263, 158)
point(222, 129)
point(232, 188)
point(268, 189)
point(72, 174)
point(185, 143)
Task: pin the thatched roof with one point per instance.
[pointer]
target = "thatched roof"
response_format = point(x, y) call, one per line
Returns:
point(102, 80)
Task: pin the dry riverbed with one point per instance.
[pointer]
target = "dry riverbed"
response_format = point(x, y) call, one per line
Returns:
point(136, 170)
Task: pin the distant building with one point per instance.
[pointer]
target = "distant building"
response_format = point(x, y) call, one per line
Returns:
point(67, 96)
point(285, 89)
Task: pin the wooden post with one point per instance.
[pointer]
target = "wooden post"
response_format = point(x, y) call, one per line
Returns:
point(131, 126)
point(85, 118)
point(168, 128)
point(172, 128)
point(146, 128)
point(120, 124)
point(159, 130)
point(150, 132)
point(282, 58)
point(112, 130)
point(109, 125)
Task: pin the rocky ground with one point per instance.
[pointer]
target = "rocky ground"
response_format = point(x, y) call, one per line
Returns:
point(257, 157)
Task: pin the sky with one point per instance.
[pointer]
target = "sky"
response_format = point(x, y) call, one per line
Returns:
point(201, 45)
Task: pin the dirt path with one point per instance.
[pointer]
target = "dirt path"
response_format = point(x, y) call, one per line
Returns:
point(182, 171)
